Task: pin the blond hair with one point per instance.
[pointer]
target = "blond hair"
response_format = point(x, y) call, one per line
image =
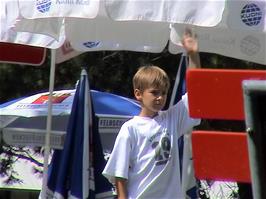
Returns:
point(150, 76)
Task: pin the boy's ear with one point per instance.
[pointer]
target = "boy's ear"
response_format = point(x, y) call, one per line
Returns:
point(137, 94)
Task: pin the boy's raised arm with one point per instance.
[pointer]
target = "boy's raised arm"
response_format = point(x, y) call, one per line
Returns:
point(190, 43)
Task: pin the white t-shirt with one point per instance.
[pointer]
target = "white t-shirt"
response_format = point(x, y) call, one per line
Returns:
point(146, 153)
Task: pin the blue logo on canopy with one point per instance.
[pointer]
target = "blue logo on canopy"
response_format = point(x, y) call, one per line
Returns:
point(251, 14)
point(43, 5)
point(91, 44)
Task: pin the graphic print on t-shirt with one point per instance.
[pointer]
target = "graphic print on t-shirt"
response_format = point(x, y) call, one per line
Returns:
point(162, 145)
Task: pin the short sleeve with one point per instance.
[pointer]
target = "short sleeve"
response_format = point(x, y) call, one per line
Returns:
point(187, 121)
point(118, 163)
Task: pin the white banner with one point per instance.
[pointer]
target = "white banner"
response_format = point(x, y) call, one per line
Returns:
point(245, 45)
point(65, 53)
point(241, 33)
point(58, 8)
point(105, 34)
point(41, 32)
point(197, 12)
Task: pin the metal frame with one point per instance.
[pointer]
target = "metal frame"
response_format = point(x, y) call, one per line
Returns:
point(254, 92)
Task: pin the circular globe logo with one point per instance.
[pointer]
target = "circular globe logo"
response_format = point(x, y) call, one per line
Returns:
point(250, 45)
point(251, 14)
point(43, 5)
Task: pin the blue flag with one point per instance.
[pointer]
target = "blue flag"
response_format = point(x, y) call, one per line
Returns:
point(103, 188)
point(75, 171)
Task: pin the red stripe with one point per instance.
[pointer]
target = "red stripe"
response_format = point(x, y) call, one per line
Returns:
point(21, 54)
point(221, 156)
point(217, 93)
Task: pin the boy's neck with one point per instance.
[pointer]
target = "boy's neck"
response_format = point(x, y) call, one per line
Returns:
point(149, 114)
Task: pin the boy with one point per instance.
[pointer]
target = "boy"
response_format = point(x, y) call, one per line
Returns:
point(144, 162)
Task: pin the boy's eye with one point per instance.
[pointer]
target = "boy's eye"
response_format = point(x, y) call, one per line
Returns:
point(155, 92)
point(158, 92)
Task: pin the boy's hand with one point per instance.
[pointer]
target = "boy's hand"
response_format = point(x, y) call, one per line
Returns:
point(190, 42)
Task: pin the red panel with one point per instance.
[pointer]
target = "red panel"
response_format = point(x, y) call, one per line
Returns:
point(21, 54)
point(221, 156)
point(217, 93)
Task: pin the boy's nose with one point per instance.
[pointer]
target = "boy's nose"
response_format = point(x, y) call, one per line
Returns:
point(159, 97)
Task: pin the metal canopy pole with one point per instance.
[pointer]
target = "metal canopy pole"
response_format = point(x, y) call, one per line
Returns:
point(254, 92)
point(48, 126)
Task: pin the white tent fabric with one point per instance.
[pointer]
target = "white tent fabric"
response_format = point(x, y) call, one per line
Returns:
point(65, 52)
point(241, 33)
point(202, 12)
point(91, 25)
point(101, 33)
point(205, 13)
point(149, 37)
point(231, 28)
point(44, 36)
point(31, 9)
point(48, 35)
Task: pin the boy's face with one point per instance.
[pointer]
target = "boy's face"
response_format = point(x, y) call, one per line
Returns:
point(152, 100)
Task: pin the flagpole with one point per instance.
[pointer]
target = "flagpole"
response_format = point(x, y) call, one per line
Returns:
point(87, 123)
point(177, 80)
point(48, 126)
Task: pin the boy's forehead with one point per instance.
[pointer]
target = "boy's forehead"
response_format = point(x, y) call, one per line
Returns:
point(156, 88)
